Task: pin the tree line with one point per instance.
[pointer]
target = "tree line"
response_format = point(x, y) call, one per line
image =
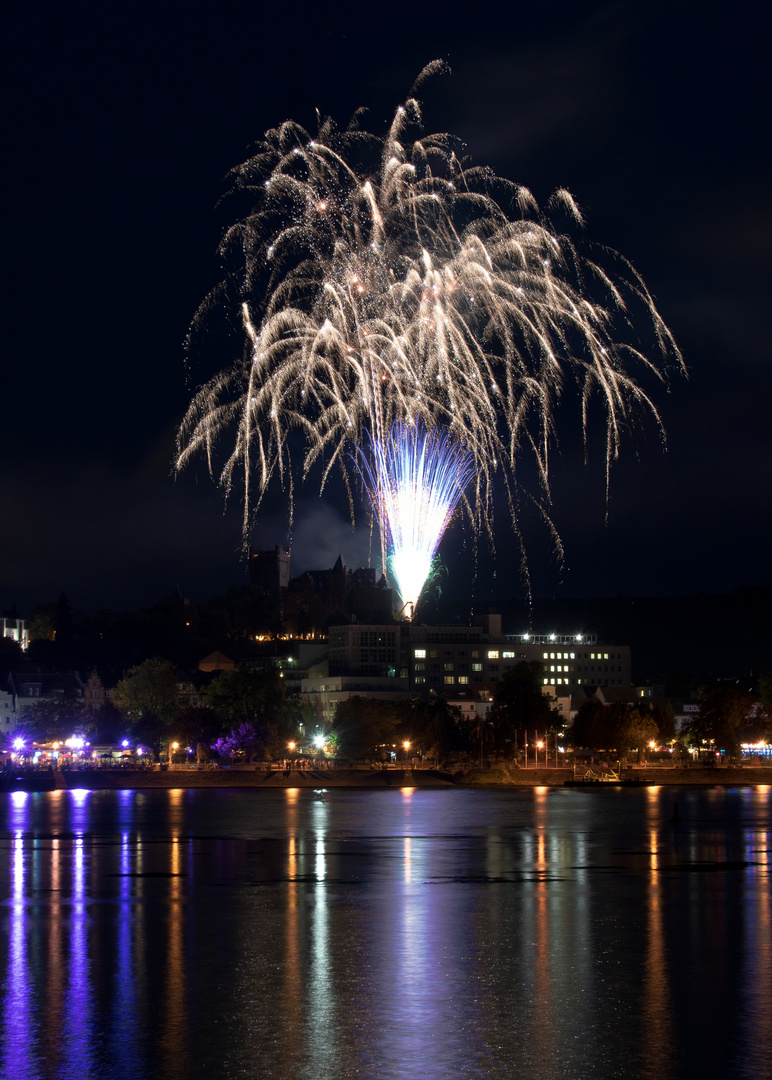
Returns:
point(248, 713)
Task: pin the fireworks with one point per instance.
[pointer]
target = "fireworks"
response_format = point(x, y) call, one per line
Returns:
point(383, 282)
point(415, 481)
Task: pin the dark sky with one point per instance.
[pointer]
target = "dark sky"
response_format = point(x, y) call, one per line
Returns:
point(122, 122)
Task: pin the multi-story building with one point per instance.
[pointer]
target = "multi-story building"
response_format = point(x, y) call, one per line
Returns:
point(365, 649)
point(324, 693)
point(453, 659)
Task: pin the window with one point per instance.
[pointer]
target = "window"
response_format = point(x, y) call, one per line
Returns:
point(493, 654)
point(420, 654)
point(477, 667)
point(463, 679)
point(420, 667)
point(508, 655)
point(449, 680)
point(420, 679)
point(448, 666)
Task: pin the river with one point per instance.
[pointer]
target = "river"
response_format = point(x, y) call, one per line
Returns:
point(543, 934)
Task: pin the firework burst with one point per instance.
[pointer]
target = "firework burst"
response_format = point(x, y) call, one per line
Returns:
point(415, 481)
point(383, 281)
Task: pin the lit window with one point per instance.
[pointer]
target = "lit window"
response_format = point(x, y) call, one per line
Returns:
point(493, 654)
point(508, 656)
point(420, 654)
point(476, 667)
point(449, 680)
point(463, 679)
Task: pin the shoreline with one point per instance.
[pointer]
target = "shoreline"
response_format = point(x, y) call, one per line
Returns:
point(501, 778)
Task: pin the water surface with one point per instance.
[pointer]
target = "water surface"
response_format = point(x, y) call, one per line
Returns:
point(537, 934)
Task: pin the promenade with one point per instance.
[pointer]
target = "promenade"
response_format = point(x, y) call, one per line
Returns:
point(498, 776)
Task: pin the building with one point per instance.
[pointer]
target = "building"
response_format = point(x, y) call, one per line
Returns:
point(7, 715)
point(356, 649)
point(467, 659)
point(94, 693)
point(323, 694)
point(11, 626)
point(307, 605)
point(30, 687)
point(269, 571)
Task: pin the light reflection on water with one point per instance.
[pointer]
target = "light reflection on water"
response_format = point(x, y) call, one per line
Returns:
point(541, 934)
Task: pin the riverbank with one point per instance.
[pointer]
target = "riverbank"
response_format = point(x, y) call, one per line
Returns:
point(500, 777)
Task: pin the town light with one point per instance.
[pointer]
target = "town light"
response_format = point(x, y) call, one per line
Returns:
point(319, 741)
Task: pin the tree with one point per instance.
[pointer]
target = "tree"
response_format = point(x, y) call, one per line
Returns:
point(55, 718)
point(257, 697)
point(519, 702)
point(11, 653)
point(362, 725)
point(726, 716)
point(197, 724)
point(149, 689)
point(243, 739)
point(432, 726)
point(619, 727)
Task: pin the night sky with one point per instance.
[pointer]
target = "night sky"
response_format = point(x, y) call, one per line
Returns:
point(122, 122)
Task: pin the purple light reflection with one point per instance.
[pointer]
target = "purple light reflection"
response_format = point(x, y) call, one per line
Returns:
point(19, 1011)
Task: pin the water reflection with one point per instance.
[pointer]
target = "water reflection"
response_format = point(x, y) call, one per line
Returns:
point(18, 1019)
point(656, 1012)
point(551, 934)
